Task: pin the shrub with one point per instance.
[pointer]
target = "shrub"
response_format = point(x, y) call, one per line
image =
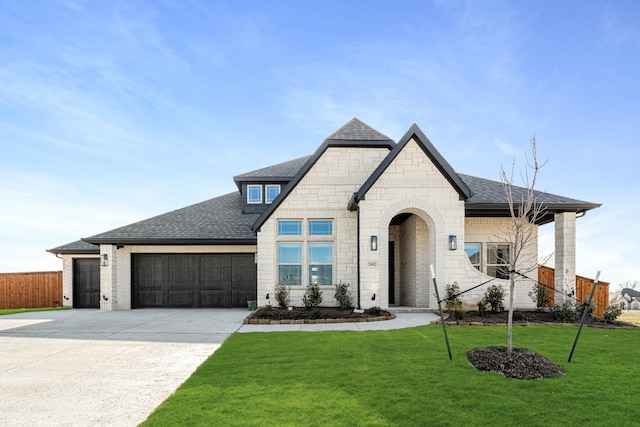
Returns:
point(541, 295)
point(494, 296)
point(312, 296)
point(374, 311)
point(611, 313)
point(565, 311)
point(315, 314)
point(452, 300)
point(343, 296)
point(282, 296)
point(590, 309)
point(458, 313)
point(482, 307)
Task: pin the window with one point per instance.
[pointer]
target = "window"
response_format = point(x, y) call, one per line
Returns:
point(495, 263)
point(289, 228)
point(254, 194)
point(497, 260)
point(321, 263)
point(320, 227)
point(290, 263)
point(271, 192)
point(474, 252)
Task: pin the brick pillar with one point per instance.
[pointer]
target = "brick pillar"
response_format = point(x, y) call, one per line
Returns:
point(108, 275)
point(565, 254)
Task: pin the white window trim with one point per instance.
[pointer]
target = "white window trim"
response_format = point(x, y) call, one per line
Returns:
point(249, 187)
point(266, 192)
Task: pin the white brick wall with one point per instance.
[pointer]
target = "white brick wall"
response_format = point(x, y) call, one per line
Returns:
point(67, 277)
point(115, 280)
point(323, 193)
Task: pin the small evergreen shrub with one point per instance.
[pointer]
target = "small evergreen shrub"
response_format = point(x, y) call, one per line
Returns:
point(282, 296)
point(541, 295)
point(494, 296)
point(482, 307)
point(565, 311)
point(582, 307)
point(611, 313)
point(343, 296)
point(374, 311)
point(312, 296)
point(315, 314)
point(453, 302)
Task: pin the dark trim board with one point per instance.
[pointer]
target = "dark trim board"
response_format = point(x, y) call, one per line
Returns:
point(193, 280)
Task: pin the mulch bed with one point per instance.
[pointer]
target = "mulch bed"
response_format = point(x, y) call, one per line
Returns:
point(521, 363)
point(315, 315)
point(531, 317)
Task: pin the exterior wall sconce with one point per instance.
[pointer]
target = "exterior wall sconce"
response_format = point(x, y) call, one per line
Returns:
point(104, 260)
point(453, 243)
point(374, 243)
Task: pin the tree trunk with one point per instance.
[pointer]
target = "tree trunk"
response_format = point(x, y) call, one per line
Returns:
point(512, 283)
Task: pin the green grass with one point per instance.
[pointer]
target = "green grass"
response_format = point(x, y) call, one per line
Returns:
point(404, 378)
point(6, 311)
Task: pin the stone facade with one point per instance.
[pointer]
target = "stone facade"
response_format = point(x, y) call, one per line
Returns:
point(411, 185)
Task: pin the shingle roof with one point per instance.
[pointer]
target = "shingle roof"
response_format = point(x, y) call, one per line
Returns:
point(434, 155)
point(489, 199)
point(353, 134)
point(282, 170)
point(356, 130)
point(215, 221)
point(77, 247)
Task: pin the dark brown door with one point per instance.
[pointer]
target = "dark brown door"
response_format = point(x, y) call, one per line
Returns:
point(193, 280)
point(86, 283)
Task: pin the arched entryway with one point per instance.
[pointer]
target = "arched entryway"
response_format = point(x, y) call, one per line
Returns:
point(412, 233)
point(408, 261)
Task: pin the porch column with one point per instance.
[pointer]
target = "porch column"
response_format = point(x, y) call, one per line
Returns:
point(565, 254)
point(108, 274)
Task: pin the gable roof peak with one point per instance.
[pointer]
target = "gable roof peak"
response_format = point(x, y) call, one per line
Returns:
point(357, 130)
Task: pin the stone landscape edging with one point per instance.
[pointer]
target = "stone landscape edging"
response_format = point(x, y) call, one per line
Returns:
point(248, 321)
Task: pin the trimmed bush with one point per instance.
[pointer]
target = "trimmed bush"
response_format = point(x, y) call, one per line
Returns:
point(611, 313)
point(565, 311)
point(343, 296)
point(282, 296)
point(541, 295)
point(494, 296)
point(312, 296)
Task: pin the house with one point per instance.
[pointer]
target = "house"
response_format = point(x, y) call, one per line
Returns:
point(363, 209)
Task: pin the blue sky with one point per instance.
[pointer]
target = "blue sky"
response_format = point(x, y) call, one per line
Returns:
point(113, 112)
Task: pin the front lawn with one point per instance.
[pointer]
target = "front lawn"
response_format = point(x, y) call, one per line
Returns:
point(404, 377)
point(6, 311)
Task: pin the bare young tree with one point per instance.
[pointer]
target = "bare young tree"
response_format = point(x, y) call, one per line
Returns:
point(525, 210)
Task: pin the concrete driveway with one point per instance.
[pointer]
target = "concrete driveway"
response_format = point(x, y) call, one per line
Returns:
point(107, 368)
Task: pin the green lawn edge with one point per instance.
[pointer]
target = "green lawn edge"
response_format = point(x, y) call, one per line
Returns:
point(404, 378)
point(7, 311)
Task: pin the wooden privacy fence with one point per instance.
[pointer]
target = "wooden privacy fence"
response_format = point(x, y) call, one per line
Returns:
point(31, 290)
point(546, 276)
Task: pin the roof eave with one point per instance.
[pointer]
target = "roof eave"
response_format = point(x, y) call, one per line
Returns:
point(169, 241)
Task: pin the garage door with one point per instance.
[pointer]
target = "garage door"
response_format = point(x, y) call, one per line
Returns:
point(193, 280)
point(86, 283)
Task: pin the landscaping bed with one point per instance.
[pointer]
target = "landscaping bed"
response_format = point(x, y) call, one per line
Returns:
point(315, 315)
point(530, 317)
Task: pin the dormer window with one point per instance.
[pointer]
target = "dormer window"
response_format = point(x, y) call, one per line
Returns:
point(254, 194)
point(271, 192)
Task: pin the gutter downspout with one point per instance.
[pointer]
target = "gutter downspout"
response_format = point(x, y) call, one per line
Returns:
point(358, 239)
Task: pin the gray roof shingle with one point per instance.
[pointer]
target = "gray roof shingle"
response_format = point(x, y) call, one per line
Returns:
point(284, 170)
point(356, 130)
point(215, 221)
point(77, 247)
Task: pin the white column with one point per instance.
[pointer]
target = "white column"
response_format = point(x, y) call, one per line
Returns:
point(108, 277)
point(565, 254)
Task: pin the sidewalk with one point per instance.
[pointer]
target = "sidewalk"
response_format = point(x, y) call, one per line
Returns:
point(402, 320)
